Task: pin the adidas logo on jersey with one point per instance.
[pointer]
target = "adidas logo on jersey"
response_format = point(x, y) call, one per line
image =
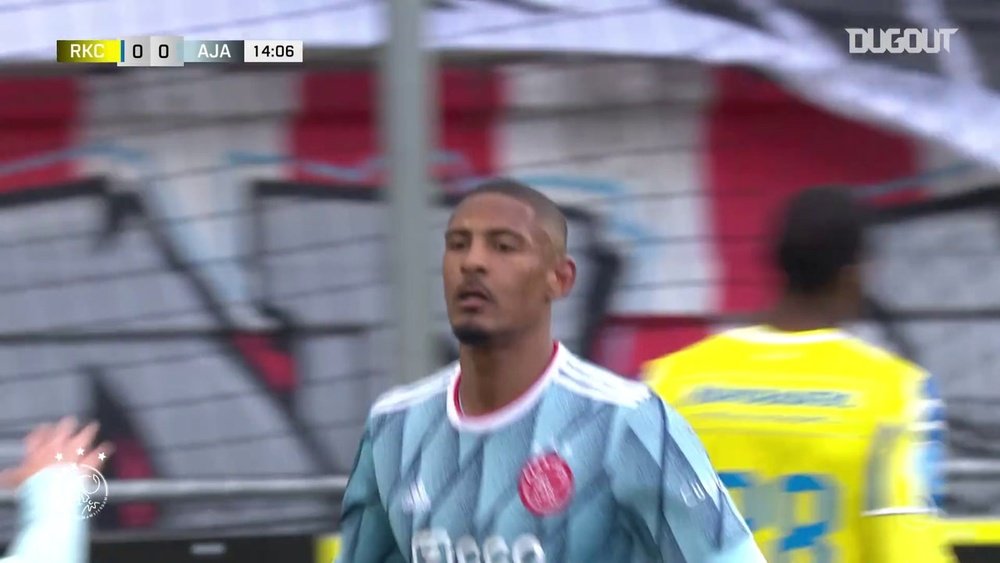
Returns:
point(416, 499)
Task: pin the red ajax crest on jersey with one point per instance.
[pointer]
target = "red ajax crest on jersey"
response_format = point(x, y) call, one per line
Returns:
point(546, 484)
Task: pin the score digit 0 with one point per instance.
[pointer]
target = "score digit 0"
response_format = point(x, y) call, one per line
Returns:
point(165, 50)
point(135, 51)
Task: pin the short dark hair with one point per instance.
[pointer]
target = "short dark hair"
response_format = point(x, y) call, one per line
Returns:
point(545, 209)
point(822, 231)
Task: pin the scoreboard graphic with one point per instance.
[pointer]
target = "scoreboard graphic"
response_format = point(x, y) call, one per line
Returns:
point(173, 51)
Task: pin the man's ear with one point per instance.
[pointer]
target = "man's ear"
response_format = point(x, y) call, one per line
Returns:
point(562, 278)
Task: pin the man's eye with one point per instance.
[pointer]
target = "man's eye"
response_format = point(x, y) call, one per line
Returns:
point(455, 244)
point(506, 247)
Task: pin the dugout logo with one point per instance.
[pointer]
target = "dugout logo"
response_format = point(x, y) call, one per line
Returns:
point(896, 41)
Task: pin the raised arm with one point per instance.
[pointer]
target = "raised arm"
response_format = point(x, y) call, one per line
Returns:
point(51, 527)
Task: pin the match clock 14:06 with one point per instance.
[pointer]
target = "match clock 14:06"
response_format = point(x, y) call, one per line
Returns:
point(272, 51)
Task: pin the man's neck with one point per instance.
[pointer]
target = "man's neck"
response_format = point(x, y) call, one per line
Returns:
point(495, 376)
point(795, 313)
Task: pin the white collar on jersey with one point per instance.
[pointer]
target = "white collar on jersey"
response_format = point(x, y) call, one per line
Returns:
point(768, 335)
point(509, 413)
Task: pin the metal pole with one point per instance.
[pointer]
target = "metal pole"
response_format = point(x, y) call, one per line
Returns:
point(408, 104)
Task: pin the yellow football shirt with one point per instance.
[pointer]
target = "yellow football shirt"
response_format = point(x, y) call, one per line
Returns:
point(831, 447)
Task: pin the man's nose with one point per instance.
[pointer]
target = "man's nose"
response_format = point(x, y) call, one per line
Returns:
point(476, 257)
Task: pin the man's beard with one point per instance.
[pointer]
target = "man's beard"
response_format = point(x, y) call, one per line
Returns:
point(472, 336)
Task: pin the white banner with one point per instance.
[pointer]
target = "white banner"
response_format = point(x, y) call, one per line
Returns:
point(953, 106)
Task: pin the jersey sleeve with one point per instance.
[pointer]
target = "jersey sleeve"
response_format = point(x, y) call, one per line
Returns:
point(662, 477)
point(366, 536)
point(51, 529)
point(906, 482)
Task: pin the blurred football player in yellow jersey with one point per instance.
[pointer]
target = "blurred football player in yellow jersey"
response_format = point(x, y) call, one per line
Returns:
point(831, 447)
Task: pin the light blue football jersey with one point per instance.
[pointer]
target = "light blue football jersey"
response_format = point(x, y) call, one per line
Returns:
point(52, 528)
point(585, 467)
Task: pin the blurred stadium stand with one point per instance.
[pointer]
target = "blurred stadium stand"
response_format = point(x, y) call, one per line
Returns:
point(196, 256)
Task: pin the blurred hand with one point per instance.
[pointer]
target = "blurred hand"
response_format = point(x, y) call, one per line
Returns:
point(49, 445)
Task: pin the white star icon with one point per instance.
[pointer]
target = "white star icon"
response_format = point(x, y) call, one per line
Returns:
point(79, 451)
point(59, 457)
point(102, 457)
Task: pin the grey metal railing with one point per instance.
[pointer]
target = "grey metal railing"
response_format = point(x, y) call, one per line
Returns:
point(334, 485)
